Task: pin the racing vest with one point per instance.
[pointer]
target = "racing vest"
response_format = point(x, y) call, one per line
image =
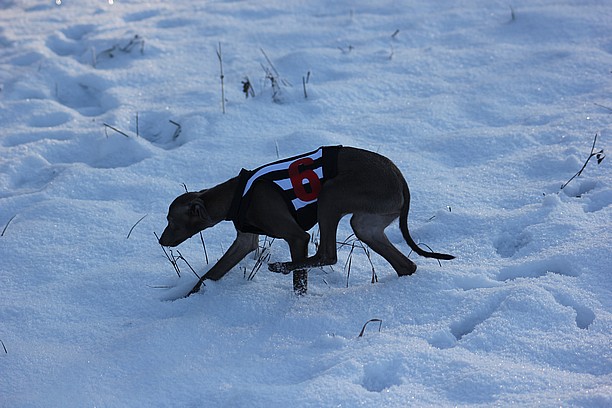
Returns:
point(298, 179)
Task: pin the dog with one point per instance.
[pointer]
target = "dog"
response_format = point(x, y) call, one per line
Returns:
point(286, 198)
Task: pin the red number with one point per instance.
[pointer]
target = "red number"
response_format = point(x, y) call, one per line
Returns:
point(297, 178)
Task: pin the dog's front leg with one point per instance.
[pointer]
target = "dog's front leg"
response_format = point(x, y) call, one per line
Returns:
point(244, 243)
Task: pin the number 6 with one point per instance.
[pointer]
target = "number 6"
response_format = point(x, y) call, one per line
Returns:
point(297, 177)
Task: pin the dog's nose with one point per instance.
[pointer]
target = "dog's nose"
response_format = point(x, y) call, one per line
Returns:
point(163, 240)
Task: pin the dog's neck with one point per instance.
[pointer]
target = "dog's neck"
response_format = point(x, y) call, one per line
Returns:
point(219, 199)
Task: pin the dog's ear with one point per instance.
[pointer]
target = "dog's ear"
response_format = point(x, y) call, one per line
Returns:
point(198, 209)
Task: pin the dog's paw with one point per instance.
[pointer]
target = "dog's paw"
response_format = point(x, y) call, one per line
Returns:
point(278, 267)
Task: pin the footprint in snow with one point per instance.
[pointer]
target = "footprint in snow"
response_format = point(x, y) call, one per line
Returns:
point(49, 119)
point(510, 242)
point(141, 15)
point(381, 375)
point(85, 94)
point(599, 201)
point(584, 314)
point(593, 199)
point(537, 269)
point(78, 31)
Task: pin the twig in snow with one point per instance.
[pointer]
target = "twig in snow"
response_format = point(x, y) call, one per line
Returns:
point(366, 325)
point(134, 226)
point(348, 49)
point(110, 52)
point(7, 224)
point(304, 82)
point(602, 106)
point(247, 88)
point(274, 77)
point(107, 126)
point(219, 55)
point(172, 260)
point(434, 216)
point(137, 40)
point(395, 33)
point(273, 83)
point(349, 261)
point(353, 241)
point(4, 347)
point(262, 258)
point(177, 132)
point(204, 246)
point(185, 260)
point(270, 63)
point(600, 156)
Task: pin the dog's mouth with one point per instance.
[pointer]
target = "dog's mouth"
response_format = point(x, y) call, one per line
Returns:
point(170, 239)
point(169, 242)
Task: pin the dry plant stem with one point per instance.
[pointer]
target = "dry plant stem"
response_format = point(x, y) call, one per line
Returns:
point(304, 82)
point(107, 126)
point(349, 261)
point(600, 157)
point(356, 241)
point(220, 56)
point(204, 246)
point(176, 268)
point(602, 106)
point(269, 62)
point(185, 260)
point(7, 224)
point(304, 86)
point(4, 347)
point(263, 257)
point(134, 226)
point(178, 130)
point(368, 322)
point(276, 74)
point(247, 88)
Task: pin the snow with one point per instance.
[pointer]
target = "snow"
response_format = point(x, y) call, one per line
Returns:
point(486, 108)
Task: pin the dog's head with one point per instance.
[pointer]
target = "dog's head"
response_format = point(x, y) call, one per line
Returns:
point(187, 216)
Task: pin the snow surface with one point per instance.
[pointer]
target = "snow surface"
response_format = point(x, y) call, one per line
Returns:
point(487, 107)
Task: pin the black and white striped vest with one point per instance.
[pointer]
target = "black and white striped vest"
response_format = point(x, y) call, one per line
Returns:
point(299, 180)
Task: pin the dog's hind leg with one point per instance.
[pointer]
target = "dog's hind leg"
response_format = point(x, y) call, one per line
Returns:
point(370, 228)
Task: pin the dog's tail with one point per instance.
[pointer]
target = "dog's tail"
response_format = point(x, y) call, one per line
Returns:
point(404, 228)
